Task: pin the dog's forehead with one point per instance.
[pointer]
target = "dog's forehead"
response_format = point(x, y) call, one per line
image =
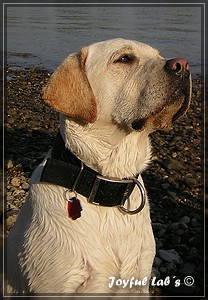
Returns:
point(107, 48)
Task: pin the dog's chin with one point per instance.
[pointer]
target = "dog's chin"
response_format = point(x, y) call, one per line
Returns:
point(164, 116)
point(182, 109)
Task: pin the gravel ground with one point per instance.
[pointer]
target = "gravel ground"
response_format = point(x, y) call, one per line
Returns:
point(174, 179)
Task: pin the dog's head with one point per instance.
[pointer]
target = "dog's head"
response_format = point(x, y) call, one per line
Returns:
point(124, 82)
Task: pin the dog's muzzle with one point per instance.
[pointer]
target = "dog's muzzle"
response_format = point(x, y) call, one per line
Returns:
point(179, 69)
point(173, 99)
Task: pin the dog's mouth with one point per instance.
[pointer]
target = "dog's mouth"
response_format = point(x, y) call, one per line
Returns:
point(165, 115)
point(183, 109)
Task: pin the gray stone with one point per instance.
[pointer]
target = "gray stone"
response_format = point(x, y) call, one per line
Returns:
point(159, 244)
point(188, 268)
point(165, 186)
point(169, 256)
point(176, 240)
point(176, 139)
point(171, 268)
point(158, 226)
point(160, 233)
point(159, 229)
point(155, 273)
point(172, 194)
point(157, 261)
point(195, 223)
point(185, 219)
point(173, 202)
point(183, 226)
point(174, 226)
point(195, 240)
point(191, 182)
point(180, 232)
point(172, 164)
point(163, 270)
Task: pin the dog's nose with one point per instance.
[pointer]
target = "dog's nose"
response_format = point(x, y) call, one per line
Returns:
point(178, 66)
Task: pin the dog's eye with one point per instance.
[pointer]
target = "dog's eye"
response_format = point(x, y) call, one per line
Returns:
point(125, 59)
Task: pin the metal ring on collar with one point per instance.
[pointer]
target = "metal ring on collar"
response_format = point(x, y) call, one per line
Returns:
point(69, 194)
point(143, 199)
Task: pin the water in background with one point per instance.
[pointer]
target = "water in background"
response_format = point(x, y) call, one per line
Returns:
point(43, 36)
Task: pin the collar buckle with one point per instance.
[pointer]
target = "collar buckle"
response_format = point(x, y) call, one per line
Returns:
point(143, 200)
point(99, 179)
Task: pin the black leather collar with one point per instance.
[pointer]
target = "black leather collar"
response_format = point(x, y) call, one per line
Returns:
point(64, 169)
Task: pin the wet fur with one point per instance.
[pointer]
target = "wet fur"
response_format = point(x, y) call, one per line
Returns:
point(99, 98)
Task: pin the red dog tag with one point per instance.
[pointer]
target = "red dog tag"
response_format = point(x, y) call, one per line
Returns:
point(74, 208)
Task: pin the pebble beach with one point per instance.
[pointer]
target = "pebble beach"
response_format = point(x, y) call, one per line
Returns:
point(174, 179)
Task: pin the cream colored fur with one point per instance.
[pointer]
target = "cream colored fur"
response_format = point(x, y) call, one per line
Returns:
point(47, 251)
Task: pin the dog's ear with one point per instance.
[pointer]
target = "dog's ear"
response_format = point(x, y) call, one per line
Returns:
point(69, 90)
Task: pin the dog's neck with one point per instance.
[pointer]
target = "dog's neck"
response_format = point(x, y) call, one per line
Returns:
point(107, 149)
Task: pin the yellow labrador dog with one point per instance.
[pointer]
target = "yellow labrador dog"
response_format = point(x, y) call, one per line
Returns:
point(86, 226)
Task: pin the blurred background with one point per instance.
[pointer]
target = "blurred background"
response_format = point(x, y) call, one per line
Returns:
point(43, 35)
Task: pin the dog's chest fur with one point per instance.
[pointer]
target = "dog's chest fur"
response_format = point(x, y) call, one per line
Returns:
point(104, 240)
point(102, 243)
